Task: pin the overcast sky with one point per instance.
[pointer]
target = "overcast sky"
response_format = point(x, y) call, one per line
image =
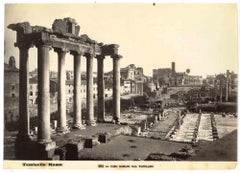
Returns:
point(202, 37)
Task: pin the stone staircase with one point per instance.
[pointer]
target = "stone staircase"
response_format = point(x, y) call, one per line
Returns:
point(205, 128)
point(187, 130)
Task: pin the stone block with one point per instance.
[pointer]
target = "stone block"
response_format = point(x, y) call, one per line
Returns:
point(23, 149)
point(61, 152)
point(72, 150)
point(56, 157)
point(32, 150)
point(44, 151)
point(88, 143)
point(102, 138)
point(59, 26)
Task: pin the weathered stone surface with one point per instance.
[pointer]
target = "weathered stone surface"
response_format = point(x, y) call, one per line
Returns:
point(103, 138)
point(87, 39)
point(21, 27)
point(23, 149)
point(61, 152)
point(73, 149)
point(66, 26)
point(88, 143)
point(77, 30)
point(59, 26)
point(111, 49)
point(56, 157)
point(44, 151)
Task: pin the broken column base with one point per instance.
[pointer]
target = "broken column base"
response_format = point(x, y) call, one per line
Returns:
point(91, 122)
point(79, 126)
point(32, 150)
point(116, 120)
point(101, 120)
point(72, 150)
point(63, 130)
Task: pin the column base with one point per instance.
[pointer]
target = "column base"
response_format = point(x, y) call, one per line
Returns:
point(44, 151)
point(91, 122)
point(33, 150)
point(22, 150)
point(21, 137)
point(101, 120)
point(63, 130)
point(116, 120)
point(78, 126)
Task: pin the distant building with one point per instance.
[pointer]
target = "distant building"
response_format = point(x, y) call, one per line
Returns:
point(53, 75)
point(70, 75)
point(168, 76)
point(33, 90)
point(152, 86)
point(33, 74)
point(69, 90)
point(133, 79)
point(11, 91)
point(165, 77)
point(193, 80)
point(210, 80)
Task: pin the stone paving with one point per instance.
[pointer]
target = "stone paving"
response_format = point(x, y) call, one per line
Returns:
point(186, 131)
point(205, 128)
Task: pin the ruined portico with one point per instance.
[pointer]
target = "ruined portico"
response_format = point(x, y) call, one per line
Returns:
point(63, 38)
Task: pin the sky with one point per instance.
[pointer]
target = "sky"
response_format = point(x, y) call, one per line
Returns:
point(201, 37)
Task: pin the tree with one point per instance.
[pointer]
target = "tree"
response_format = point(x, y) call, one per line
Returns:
point(188, 71)
point(220, 83)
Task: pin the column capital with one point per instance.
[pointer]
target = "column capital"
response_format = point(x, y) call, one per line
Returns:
point(111, 49)
point(60, 49)
point(43, 44)
point(116, 56)
point(75, 52)
point(24, 45)
point(88, 55)
point(100, 57)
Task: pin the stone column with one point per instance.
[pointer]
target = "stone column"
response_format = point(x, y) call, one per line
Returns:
point(62, 119)
point(23, 132)
point(116, 88)
point(101, 87)
point(90, 105)
point(77, 117)
point(43, 95)
point(23, 139)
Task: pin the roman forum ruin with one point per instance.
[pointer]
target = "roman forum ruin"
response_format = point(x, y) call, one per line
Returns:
point(63, 38)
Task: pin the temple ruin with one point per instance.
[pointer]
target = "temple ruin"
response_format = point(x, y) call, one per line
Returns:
point(63, 38)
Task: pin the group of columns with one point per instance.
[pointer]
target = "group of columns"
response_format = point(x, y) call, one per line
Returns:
point(44, 135)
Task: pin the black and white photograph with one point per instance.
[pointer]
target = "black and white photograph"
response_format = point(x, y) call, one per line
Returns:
point(111, 86)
